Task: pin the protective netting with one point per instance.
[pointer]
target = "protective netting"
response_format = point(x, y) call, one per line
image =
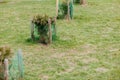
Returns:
point(63, 9)
point(37, 36)
point(16, 69)
point(53, 31)
point(36, 33)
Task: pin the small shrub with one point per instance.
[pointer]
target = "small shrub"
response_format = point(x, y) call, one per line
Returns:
point(5, 52)
point(42, 27)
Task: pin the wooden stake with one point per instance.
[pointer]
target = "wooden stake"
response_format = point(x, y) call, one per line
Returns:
point(83, 2)
point(50, 31)
point(57, 4)
point(68, 13)
point(32, 30)
point(6, 73)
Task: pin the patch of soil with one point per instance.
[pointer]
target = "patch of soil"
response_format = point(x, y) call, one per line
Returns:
point(88, 49)
point(85, 68)
point(89, 60)
point(101, 70)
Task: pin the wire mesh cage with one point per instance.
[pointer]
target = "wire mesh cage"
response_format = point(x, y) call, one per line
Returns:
point(64, 9)
point(43, 30)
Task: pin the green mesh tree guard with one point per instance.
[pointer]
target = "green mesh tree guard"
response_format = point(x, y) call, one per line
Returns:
point(36, 33)
point(53, 32)
point(63, 10)
point(16, 70)
point(37, 36)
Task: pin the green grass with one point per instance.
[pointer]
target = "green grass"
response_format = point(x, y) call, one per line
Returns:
point(88, 47)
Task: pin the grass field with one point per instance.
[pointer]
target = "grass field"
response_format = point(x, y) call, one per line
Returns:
point(88, 47)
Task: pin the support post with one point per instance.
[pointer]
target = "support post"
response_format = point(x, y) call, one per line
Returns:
point(68, 13)
point(6, 72)
point(32, 30)
point(50, 31)
point(83, 2)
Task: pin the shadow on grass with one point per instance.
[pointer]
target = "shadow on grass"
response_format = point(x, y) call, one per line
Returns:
point(57, 42)
point(29, 41)
point(35, 41)
point(64, 43)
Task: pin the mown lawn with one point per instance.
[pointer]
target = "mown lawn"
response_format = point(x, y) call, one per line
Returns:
point(87, 48)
